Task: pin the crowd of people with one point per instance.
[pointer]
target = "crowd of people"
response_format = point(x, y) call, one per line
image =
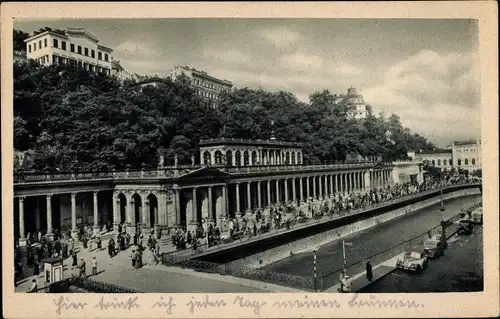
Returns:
point(285, 216)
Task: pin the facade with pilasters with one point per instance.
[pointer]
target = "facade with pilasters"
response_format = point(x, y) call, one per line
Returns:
point(182, 196)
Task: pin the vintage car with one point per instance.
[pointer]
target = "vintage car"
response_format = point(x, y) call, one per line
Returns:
point(433, 248)
point(477, 216)
point(413, 261)
point(465, 227)
point(437, 237)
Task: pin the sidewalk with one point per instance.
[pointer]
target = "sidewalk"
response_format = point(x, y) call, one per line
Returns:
point(360, 281)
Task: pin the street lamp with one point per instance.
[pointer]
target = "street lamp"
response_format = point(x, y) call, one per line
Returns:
point(344, 254)
point(443, 222)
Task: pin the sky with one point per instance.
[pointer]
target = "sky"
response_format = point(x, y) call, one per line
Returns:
point(425, 71)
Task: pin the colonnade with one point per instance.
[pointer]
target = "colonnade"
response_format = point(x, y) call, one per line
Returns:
point(187, 205)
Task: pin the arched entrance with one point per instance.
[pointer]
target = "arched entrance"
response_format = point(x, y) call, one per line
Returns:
point(137, 209)
point(123, 208)
point(153, 211)
point(229, 158)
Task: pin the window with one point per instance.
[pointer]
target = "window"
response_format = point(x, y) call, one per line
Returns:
point(99, 56)
point(54, 59)
point(459, 162)
point(105, 57)
point(79, 50)
point(34, 46)
point(92, 54)
point(86, 52)
point(40, 44)
point(466, 161)
point(63, 45)
point(473, 161)
point(450, 162)
point(44, 43)
point(29, 47)
point(56, 43)
point(439, 162)
point(433, 163)
point(72, 47)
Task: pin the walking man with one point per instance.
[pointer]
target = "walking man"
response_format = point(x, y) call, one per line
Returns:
point(369, 272)
point(94, 266)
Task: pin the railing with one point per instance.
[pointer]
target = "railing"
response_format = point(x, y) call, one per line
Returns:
point(87, 284)
point(223, 140)
point(172, 172)
point(333, 277)
point(243, 271)
point(180, 255)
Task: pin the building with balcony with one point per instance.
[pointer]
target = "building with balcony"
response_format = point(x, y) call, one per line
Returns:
point(353, 100)
point(205, 85)
point(72, 46)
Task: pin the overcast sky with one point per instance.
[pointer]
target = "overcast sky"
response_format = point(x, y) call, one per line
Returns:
point(426, 71)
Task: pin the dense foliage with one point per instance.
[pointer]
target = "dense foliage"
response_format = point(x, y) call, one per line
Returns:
point(68, 119)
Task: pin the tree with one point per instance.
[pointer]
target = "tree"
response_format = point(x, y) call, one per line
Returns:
point(18, 37)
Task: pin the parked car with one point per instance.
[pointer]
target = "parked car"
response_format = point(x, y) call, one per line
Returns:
point(433, 248)
point(465, 227)
point(477, 216)
point(413, 261)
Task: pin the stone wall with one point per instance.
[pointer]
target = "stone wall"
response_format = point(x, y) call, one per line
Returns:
point(272, 255)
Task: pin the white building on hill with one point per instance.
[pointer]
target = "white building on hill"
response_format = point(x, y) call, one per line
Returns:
point(71, 46)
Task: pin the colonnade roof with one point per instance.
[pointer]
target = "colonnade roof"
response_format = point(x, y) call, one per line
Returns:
point(247, 142)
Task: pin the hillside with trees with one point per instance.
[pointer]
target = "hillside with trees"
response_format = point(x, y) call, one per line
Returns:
point(67, 119)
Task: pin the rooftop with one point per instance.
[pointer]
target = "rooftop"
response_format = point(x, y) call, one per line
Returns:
point(437, 152)
point(240, 141)
point(468, 142)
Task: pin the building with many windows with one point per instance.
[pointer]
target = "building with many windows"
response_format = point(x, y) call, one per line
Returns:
point(462, 154)
point(467, 154)
point(73, 46)
point(355, 101)
point(205, 85)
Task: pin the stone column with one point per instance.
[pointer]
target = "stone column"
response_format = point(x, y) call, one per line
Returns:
point(259, 196)
point(22, 240)
point(314, 187)
point(37, 214)
point(320, 184)
point(308, 193)
point(336, 177)
point(301, 190)
point(238, 204)
point(74, 230)
point(211, 218)
point(194, 216)
point(224, 202)
point(116, 212)
point(50, 234)
point(294, 191)
point(331, 185)
point(269, 201)
point(285, 186)
point(249, 197)
point(146, 222)
point(325, 192)
point(177, 206)
point(278, 199)
point(355, 177)
point(131, 215)
point(96, 215)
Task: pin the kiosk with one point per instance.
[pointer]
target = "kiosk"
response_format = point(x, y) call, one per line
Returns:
point(53, 269)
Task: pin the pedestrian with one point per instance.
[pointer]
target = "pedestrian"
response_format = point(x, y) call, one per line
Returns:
point(82, 268)
point(94, 266)
point(132, 256)
point(71, 246)
point(36, 267)
point(33, 288)
point(75, 260)
point(110, 247)
point(99, 243)
point(369, 272)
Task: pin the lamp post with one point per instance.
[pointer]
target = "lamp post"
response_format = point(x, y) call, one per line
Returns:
point(443, 222)
point(344, 244)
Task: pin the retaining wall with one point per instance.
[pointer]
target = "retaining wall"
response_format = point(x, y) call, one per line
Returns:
point(277, 253)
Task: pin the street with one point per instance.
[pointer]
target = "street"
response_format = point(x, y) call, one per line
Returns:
point(370, 241)
point(459, 270)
